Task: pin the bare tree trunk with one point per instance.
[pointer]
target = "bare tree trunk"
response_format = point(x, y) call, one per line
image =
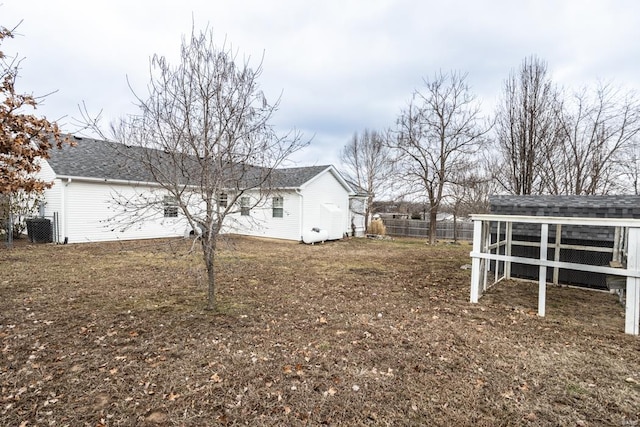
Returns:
point(208, 253)
point(433, 226)
point(455, 226)
point(211, 282)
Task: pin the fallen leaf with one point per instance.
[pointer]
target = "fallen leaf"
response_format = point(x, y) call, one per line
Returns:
point(157, 417)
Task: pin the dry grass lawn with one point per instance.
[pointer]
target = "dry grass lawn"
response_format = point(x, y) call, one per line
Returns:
point(354, 332)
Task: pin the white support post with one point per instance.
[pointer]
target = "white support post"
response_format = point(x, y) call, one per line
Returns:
point(507, 264)
point(542, 285)
point(556, 253)
point(497, 265)
point(632, 309)
point(475, 262)
point(486, 237)
point(616, 245)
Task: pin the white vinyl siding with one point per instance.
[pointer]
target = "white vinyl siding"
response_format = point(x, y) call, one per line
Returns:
point(326, 206)
point(90, 214)
point(261, 223)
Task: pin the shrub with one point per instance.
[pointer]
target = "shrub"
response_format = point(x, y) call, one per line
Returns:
point(18, 206)
point(377, 227)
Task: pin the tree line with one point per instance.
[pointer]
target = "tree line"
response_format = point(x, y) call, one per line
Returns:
point(541, 139)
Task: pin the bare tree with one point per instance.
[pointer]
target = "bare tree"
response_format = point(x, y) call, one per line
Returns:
point(203, 136)
point(437, 133)
point(470, 191)
point(629, 164)
point(526, 128)
point(366, 163)
point(597, 130)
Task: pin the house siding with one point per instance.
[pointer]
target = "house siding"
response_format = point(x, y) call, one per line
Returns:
point(53, 195)
point(88, 213)
point(261, 223)
point(322, 196)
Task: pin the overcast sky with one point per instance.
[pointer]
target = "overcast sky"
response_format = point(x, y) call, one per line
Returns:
point(341, 66)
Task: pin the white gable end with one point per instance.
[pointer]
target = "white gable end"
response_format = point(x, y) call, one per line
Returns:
point(326, 205)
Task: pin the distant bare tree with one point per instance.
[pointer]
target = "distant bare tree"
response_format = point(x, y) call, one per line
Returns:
point(437, 133)
point(203, 136)
point(629, 164)
point(597, 129)
point(470, 191)
point(366, 162)
point(526, 128)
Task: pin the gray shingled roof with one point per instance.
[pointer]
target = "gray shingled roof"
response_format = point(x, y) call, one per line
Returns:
point(566, 201)
point(611, 206)
point(91, 158)
point(295, 177)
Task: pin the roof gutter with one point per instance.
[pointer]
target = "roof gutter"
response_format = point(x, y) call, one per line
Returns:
point(70, 178)
point(130, 182)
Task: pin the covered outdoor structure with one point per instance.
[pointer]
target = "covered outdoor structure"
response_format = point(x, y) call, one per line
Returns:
point(493, 243)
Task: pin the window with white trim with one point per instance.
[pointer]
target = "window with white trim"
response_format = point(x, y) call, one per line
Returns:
point(223, 199)
point(244, 206)
point(170, 207)
point(278, 207)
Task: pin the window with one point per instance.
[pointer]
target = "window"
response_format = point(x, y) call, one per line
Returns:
point(244, 206)
point(278, 207)
point(170, 207)
point(222, 200)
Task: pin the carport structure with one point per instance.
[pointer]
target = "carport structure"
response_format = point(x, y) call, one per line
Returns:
point(493, 243)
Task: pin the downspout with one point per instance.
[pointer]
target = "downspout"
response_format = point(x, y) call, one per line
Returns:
point(63, 206)
point(301, 211)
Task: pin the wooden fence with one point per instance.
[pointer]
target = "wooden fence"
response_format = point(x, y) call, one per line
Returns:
point(419, 228)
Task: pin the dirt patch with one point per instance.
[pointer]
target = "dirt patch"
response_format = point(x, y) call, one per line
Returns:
point(354, 332)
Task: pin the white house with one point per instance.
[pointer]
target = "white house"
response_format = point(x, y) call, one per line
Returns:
point(89, 178)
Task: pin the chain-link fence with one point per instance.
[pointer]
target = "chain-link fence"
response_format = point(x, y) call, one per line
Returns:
point(41, 229)
point(585, 245)
point(6, 231)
